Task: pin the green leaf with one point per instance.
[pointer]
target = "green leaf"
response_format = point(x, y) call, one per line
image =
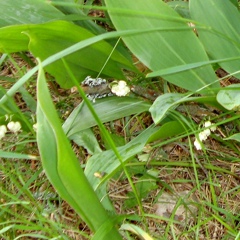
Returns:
point(176, 44)
point(86, 139)
point(27, 11)
point(13, 40)
point(162, 104)
point(185, 67)
point(181, 7)
point(221, 37)
point(62, 166)
point(71, 9)
point(50, 38)
point(229, 97)
point(108, 163)
point(64, 53)
point(108, 109)
point(235, 137)
point(168, 130)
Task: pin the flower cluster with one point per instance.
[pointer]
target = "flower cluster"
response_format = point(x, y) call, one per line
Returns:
point(120, 88)
point(202, 136)
point(13, 127)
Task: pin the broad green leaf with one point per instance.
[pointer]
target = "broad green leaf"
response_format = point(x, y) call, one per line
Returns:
point(221, 38)
point(80, 17)
point(185, 67)
point(107, 226)
point(74, 11)
point(235, 137)
point(176, 44)
point(181, 7)
point(168, 130)
point(169, 101)
point(86, 139)
point(64, 53)
point(40, 11)
point(108, 163)
point(27, 11)
point(13, 40)
point(108, 109)
point(163, 104)
point(229, 97)
point(62, 166)
point(50, 38)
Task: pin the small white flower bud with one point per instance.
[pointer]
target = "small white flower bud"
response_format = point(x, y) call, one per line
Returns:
point(35, 127)
point(3, 131)
point(197, 144)
point(208, 124)
point(14, 126)
point(204, 135)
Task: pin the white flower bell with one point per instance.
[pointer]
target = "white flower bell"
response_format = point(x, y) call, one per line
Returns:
point(35, 125)
point(120, 88)
point(3, 131)
point(14, 126)
point(208, 124)
point(197, 144)
point(202, 136)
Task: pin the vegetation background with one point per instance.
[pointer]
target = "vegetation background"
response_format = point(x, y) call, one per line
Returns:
point(160, 162)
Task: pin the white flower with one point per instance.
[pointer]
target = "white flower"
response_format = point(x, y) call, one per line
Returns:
point(14, 126)
point(35, 127)
point(197, 144)
point(3, 131)
point(202, 136)
point(120, 88)
point(208, 124)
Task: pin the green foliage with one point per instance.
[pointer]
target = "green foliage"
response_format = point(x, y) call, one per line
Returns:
point(62, 166)
point(144, 186)
point(219, 40)
point(229, 98)
point(234, 137)
point(108, 109)
point(71, 46)
point(165, 47)
point(44, 40)
point(98, 163)
point(27, 11)
point(50, 38)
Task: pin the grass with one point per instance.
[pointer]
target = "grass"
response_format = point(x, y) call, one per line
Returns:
point(31, 208)
point(184, 193)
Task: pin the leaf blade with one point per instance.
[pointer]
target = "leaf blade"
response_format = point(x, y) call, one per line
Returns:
point(162, 49)
point(62, 166)
point(222, 40)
